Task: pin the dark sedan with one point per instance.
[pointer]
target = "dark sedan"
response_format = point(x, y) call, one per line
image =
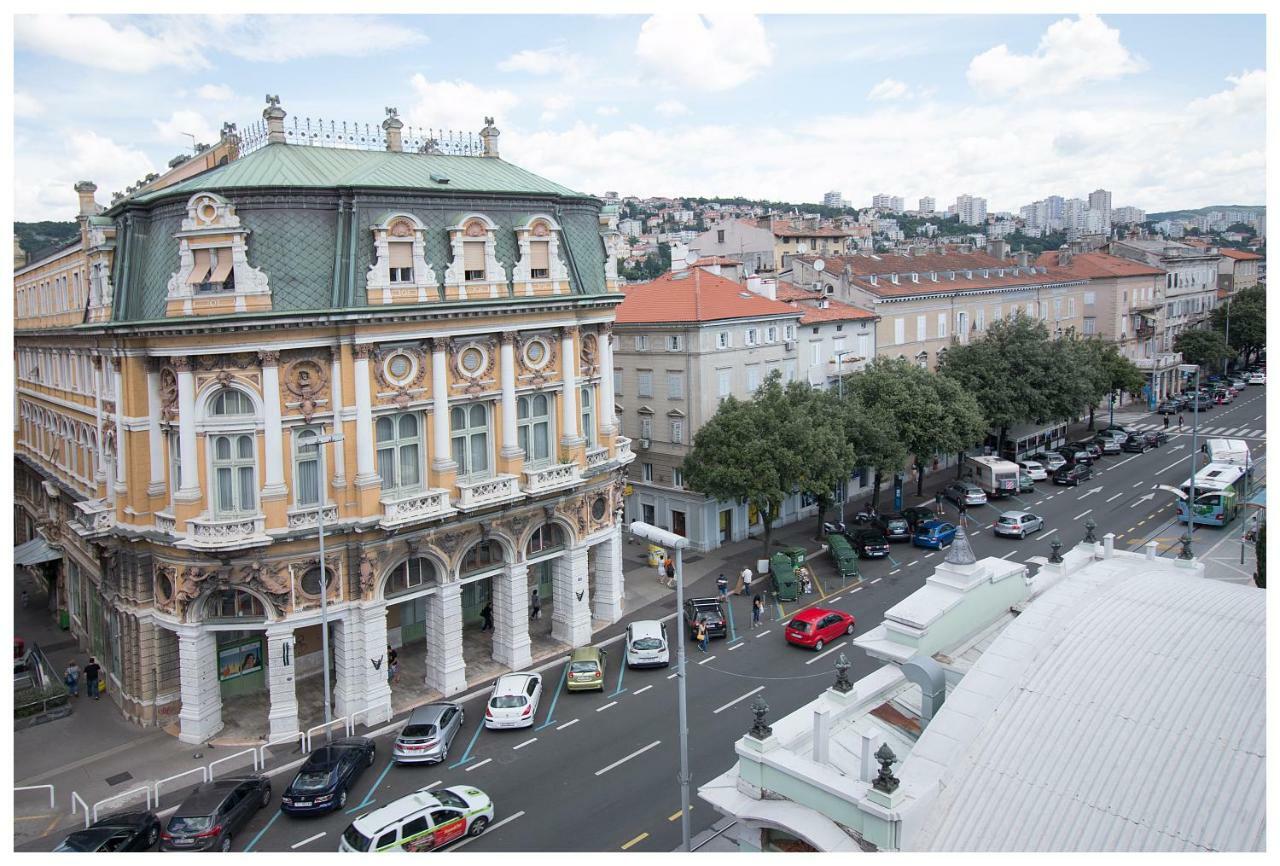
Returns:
point(1169, 407)
point(1156, 437)
point(214, 812)
point(869, 543)
point(1075, 456)
point(709, 611)
point(1094, 449)
point(1073, 475)
point(895, 526)
point(127, 831)
point(917, 515)
point(1137, 444)
point(323, 781)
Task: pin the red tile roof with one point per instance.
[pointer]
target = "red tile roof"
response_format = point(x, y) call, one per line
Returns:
point(716, 260)
point(888, 263)
point(693, 295)
point(1239, 255)
point(786, 229)
point(810, 302)
point(1097, 265)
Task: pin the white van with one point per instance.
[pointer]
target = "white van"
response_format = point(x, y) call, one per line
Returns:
point(647, 644)
point(1234, 452)
point(422, 821)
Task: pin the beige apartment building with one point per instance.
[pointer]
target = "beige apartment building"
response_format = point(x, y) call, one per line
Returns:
point(1237, 271)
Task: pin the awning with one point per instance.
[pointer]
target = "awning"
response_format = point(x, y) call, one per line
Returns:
point(34, 552)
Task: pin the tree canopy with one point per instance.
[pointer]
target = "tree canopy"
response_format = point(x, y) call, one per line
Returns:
point(1202, 346)
point(1248, 317)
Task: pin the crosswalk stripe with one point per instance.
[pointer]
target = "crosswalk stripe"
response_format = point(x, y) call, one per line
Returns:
point(1233, 431)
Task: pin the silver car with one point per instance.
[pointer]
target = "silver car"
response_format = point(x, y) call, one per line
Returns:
point(963, 491)
point(427, 735)
point(1018, 523)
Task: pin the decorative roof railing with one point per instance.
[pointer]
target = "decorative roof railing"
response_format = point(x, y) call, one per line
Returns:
point(361, 136)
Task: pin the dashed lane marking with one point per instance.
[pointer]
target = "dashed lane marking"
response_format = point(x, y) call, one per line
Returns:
point(308, 840)
point(763, 633)
point(895, 571)
point(481, 764)
point(874, 580)
point(834, 600)
point(621, 761)
point(826, 653)
point(606, 706)
point(737, 700)
point(855, 589)
point(738, 645)
point(636, 840)
point(525, 743)
point(1118, 495)
point(643, 690)
point(673, 676)
point(676, 815)
point(912, 562)
point(1082, 514)
point(492, 827)
point(707, 659)
point(566, 724)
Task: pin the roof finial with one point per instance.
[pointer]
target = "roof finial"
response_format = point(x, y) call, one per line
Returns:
point(961, 552)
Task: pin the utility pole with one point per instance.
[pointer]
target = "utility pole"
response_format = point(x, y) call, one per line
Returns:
point(1195, 424)
point(320, 442)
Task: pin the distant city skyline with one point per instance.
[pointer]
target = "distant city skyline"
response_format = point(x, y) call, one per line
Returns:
point(1002, 107)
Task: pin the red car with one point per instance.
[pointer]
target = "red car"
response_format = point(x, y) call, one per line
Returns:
point(817, 627)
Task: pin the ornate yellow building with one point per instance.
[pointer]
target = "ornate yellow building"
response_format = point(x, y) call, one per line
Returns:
point(445, 314)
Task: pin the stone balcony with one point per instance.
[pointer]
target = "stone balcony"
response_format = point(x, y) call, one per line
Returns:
point(165, 522)
point(401, 509)
point(549, 478)
point(597, 458)
point(96, 517)
point(625, 455)
point(474, 495)
point(234, 533)
point(308, 517)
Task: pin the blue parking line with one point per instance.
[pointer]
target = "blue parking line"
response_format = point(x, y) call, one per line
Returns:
point(895, 562)
point(622, 669)
point(368, 798)
point(551, 713)
point(732, 634)
point(466, 756)
point(255, 839)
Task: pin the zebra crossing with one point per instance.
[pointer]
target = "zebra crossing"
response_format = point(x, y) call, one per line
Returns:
point(1227, 432)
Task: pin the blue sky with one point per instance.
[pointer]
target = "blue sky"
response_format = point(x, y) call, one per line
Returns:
point(1164, 110)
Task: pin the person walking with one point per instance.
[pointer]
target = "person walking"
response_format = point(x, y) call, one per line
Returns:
point(26, 598)
point(702, 635)
point(91, 673)
point(1166, 422)
point(746, 581)
point(937, 502)
point(963, 509)
point(670, 567)
point(486, 614)
point(757, 610)
point(72, 678)
point(393, 665)
point(1179, 420)
point(722, 585)
point(535, 605)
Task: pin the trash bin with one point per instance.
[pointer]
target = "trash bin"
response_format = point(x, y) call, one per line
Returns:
point(64, 619)
point(656, 555)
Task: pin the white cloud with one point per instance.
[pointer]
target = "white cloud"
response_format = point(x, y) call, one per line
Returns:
point(1071, 53)
point(282, 38)
point(458, 105)
point(704, 52)
point(26, 105)
point(888, 89)
point(175, 129)
point(215, 92)
point(553, 105)
point(93, 41)
point(671, 108)
point(1247, 94)
point(607, 110)
point(543, 61)
point(45, 174)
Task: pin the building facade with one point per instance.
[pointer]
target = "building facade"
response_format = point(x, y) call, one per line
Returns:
point(1238, 270)
point(443, 314)
point(1191, 280)
point(740, 239)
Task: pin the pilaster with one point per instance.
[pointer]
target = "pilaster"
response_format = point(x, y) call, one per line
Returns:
point(442, 463)
point(608, 420)
point(339, 457)
point(609, 580)
point(282, 717)
point(201, 714)
point(511, 645)
point(510, 455)
point(155, 437)
point(446, 667)
point(376, 695)
point(571, 616)
point(350, 657)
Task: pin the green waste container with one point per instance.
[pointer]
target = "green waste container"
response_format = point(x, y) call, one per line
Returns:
point(783, 577)
point(843, 554)
point(64, 619)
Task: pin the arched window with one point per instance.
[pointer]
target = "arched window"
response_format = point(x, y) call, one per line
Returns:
point(482, 557)
point(471, 440)
point(545, 538)
point(399, 451)
point(233, 604)
point(410, 576)
point(533, 414)
point(234, 475)
point(588, 415)
point(229, 401)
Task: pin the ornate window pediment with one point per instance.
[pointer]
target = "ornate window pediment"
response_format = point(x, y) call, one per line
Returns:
point(213, 261)
point(399, 272)
point(474, 271)
point(539, 265)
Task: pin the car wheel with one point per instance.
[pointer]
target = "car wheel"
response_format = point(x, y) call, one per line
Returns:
point(342, 798)
point(152, 835)
point(373, 754)
point(817, 647)
point(225, 845)
point(444, 753)
point(1022, 535)
point(849, 630)
point(478, 826)
point(266, 797)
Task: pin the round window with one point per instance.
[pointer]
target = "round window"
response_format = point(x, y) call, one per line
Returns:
point(207, 210)
point(164, 587)
point(311, 581)
point(399, 367)
point(598, 507)
point(535, 353)
point(471, 360)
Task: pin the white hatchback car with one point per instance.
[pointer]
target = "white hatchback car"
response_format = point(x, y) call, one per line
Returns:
point(1017, 523)
point(1257, 378)
point(1034, 470)
point(647, 644)
point(513, 703)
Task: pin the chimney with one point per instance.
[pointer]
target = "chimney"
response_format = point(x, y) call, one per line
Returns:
point(1064, 256)
point(1108, 545)
point(489, 135)
point(274, 115)
point(85, 189)
point(392, 126)
point(1024, 259)
point(821, 734)
point(867, 764)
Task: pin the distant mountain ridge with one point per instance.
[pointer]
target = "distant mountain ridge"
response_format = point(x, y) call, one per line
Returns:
point(41, 238)
point(1202, 211)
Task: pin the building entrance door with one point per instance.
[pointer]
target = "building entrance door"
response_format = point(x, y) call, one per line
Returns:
point(677, 523)
point(726, 526)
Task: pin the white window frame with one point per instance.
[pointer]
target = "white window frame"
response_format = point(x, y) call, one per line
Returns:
point(751, 337)
point(771, 334)
point(587, 405)
point(644, 383)
point(527, 424)
point(233, 464)
point(675, 385)
point(641, 342)
point(462, 441)
point(753, 378)
point(942, 326)
point(646, 427)
point(722, 340)
point(725, 383)
point(675, 343)
point(677, 431)
point(304, 451)
point(646, 472)
point(395, 444)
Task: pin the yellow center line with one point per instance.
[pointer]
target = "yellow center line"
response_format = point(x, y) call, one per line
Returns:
point(639, 838)
point(676, 814)
point(823, 592)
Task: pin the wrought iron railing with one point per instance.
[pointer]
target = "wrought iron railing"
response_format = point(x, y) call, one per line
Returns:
point(361, 136)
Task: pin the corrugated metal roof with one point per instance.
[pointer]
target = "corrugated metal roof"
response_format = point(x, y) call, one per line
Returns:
point(292, 165)
point(1122, 711)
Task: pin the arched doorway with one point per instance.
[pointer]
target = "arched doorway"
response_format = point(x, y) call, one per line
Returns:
point(484, 562)
point(238, 620)
point(544, 545)
point(406, 590)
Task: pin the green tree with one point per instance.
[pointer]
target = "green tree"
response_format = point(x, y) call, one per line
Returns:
point(1202, 346)
point(1105, 372)
point(829, 453)
point(1248, 321)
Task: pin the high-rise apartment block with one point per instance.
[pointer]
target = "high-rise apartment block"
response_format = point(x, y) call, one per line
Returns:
point(927, 204)
point(884, 201)
point(833, 199)
point(972, 210)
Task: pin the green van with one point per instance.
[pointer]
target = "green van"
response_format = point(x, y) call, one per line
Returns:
point(843, 555)
point(783, 577)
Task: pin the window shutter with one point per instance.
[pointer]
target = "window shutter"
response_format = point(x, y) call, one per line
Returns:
point(400, 254)
point(201, 270)
point(539, 255)
point(223, 268)
point(473, 255)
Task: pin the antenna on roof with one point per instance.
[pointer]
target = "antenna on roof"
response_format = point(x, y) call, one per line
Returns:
point(819, 265)
point(690, 256)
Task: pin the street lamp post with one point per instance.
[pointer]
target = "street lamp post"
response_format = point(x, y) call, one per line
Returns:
point(679, 542)
point(1195, 425)
point(1226, 339)
point(320, 442)
point(839, 356)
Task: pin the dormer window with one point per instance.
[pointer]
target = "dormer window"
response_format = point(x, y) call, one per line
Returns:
point(473, 261)
point(400, 261)
point(212, 271)
point(212, 261)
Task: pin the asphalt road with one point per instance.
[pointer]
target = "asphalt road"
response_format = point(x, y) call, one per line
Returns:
point(597, 772)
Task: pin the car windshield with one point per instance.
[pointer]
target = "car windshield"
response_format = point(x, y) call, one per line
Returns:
point(506, 702)
point(1009, 520)
point(356, 839)
point(418, 731)
point(311, 780)
point(897, 524)
point(799, 625)
point(584, 668)
point(449, 798)
point(80, 842)
point(193, 824)
point(647, 643)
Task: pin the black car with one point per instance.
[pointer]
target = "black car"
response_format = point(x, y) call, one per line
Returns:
point(869, 543)
point(1075, 455)
point(214, 812)
point(1202, 404)
point(916, 515)
point(127, 831)
point(1094, 449)
point(1073, 475)
point(1170, 407)
point(895, 526)
point(1156, 437)
point(330, 771)
point(709, 611)
point(1137, 444)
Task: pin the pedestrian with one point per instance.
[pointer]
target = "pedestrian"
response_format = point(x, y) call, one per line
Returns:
point(806, 585)
point(1166, 422)
point(963, 509)
point(535, 605)
point(91, 673)
point(670, 566)
point(486, 614)
point(746, 581)
point(25, 598)
point(1179, 420)
point(393, 665)
point(757, 610)
point(937, 502)
point(662, 569)
point(702, 634)
point(722, 585)
point(72, 678)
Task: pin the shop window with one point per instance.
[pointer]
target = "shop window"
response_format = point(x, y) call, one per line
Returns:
point(484, 556)
point(545, 538)
point(410, 576)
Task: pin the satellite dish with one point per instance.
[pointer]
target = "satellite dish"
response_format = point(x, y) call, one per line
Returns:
point(801, 249)
point(691, 256)
point(819, 265)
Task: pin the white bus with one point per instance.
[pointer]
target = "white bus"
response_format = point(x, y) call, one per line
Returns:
point(1233, 452)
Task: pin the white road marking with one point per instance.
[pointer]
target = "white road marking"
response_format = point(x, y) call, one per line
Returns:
point(433, 784)
point(481, 764)
point(308, 839)
point(707, 659)
point(1050, 532)
point(1082, 514)
point(1118, 495)
point(606, 706)
point(1090, 492)
point(1139, 484)
point(1170, 466)
point(492, 827)
point(566, 724)
point(763, 633)
point(826, 653)
point(738, 700)
point(928, 555)
point(895, 571)
point(1009, 554)
point(622, 761)
point(673, 676)
point(912, 562)
point(525, 743)
point(875, 580)
point(738, 645)
point(834, 600)
point(855, 589)
point(643, 690)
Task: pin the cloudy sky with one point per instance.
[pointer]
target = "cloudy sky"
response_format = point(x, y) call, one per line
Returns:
point(1165, 111)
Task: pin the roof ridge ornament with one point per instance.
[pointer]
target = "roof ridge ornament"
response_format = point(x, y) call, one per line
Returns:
point(961, 552)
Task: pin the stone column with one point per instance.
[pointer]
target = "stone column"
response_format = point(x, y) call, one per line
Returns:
point(377, 689)
point(366, 474)
point(155, 438)
point(571, 618)
point(609, 579)
point(608, 421)
point(510, 603)
point(335, 402)
point(350, 658)
point(569, 420)
point(282, 717)
point(100, 471)
point(441, 456)
point(188, 464)
point(201, 714)
point(122, 436)
point(446, 667)
point(510, 441)
point(273, 432)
